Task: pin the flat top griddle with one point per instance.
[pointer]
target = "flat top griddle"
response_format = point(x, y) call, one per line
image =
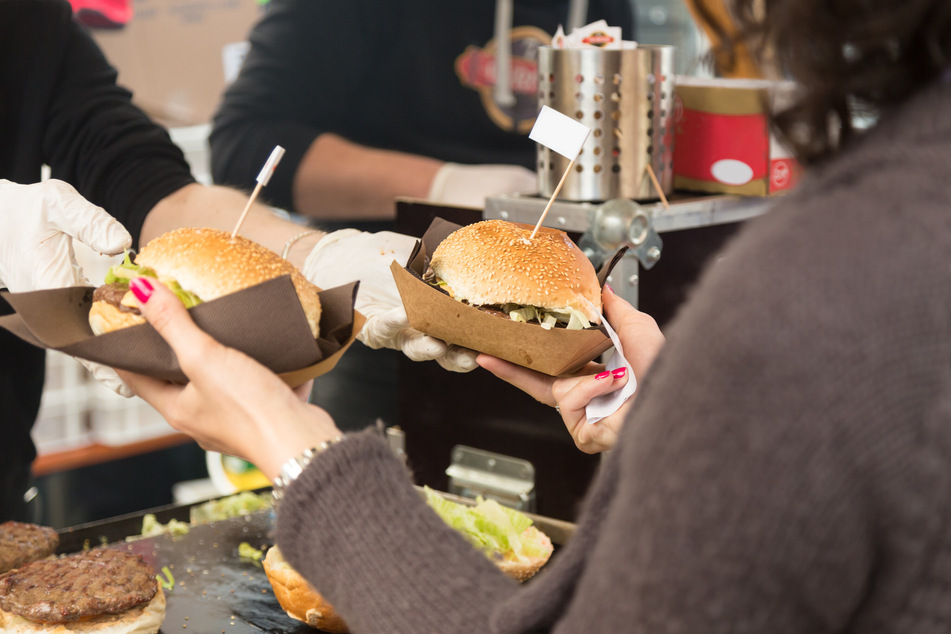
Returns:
point(216, 590)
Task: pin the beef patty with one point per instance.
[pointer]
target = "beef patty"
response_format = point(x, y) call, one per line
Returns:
point(113, 294)
point(85, 584)
point(21, 543)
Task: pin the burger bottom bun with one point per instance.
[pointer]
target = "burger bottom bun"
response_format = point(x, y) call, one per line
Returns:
point(142, 619)
point(303, 603)
point(522, 570)
point(297, 597)
point(104, 317)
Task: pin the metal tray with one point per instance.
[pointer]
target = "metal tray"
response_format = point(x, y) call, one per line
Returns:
point(215, 589)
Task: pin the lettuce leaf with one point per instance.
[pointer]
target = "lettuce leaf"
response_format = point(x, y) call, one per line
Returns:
point(496, 530)
point(127, 270)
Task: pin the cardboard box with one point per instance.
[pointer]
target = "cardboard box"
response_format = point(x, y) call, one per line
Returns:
point(177, 56)
point(723, 141)
point(264, 321)
point(554, 352)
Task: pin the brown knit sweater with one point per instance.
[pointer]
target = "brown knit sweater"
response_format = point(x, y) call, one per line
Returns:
point(787, 465)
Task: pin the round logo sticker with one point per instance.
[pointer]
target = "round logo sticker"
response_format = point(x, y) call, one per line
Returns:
point(781, 174)
point(475, 68)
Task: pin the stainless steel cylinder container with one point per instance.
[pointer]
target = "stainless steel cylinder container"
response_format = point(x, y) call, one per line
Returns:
point(626, 98)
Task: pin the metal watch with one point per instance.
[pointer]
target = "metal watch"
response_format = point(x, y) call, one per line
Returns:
point(295, 466)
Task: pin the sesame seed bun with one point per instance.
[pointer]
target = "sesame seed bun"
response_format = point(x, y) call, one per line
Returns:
point(297, 597)
point(210, 263)
point(493, 262)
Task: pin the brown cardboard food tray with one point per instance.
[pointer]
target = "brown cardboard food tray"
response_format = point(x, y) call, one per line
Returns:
point(554, 352)
point(265, 321)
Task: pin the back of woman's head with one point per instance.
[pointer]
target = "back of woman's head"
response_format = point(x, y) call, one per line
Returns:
point(850, 57)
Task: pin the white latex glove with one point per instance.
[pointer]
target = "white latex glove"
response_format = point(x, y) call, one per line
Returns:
point(470, 185)
point(38, 224)
point(349, 255)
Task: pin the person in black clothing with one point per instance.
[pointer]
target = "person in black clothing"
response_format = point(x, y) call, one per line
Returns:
point(60, 106)
point(375, 100)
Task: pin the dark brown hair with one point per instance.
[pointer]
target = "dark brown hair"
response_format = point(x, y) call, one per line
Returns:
point(852, 58)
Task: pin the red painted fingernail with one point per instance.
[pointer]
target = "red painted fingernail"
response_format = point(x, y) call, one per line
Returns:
point(619, 373)
point(142, 288)
point(608, 286)
point(603, 375)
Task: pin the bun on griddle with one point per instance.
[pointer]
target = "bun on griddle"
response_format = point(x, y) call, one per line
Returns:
point(297, 597)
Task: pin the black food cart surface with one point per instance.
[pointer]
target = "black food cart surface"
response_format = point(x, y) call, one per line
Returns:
point(215, 589)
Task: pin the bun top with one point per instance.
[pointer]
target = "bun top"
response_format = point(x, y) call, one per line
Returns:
point(210, 263)
point(493, 262)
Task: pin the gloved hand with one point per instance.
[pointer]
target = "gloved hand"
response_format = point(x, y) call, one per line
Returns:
point(38, 224)
point(348, 255)
point(469, 185)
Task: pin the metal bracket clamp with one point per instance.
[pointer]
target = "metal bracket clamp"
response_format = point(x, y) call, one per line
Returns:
point(505, 479)
point(621, 222)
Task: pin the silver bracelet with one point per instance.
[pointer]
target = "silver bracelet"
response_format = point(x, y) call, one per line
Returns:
point(290, 243)
point(292, 469)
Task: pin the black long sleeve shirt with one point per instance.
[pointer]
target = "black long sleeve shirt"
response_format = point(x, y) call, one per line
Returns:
point(60, 106)
point(413, 76)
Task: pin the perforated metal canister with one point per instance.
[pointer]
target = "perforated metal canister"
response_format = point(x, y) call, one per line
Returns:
point(626, 98)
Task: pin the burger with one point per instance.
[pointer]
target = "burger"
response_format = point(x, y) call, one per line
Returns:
point(198, 265)
point(495, 265)
point(98, 591)
point(22, 542)
point(506, 536)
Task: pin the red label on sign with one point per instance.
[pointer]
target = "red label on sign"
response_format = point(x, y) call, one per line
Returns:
point(600, 38)
point(782, 174)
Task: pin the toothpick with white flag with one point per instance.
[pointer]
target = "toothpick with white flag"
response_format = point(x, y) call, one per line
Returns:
point(263, 177)
point(562, 134)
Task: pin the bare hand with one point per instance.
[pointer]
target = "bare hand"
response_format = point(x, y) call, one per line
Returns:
point(232, 403)
point(641, 339)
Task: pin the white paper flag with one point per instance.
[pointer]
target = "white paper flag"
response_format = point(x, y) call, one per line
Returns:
point(559, 133)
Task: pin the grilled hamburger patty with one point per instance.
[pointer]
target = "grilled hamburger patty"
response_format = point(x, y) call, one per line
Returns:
point(21, 543)
point(113, 294)
point(86, 584)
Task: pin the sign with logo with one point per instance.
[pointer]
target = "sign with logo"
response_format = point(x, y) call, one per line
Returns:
point(475, 68)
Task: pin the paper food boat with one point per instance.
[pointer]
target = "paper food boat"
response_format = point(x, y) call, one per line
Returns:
point(554, 352)
point(265, 321)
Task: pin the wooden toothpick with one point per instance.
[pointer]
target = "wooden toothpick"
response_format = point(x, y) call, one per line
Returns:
point(263, 177)
point(663, 198)
point(562, 134)
point(552, 199)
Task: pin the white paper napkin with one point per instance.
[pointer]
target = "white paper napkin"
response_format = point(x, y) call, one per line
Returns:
point(606, 404)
